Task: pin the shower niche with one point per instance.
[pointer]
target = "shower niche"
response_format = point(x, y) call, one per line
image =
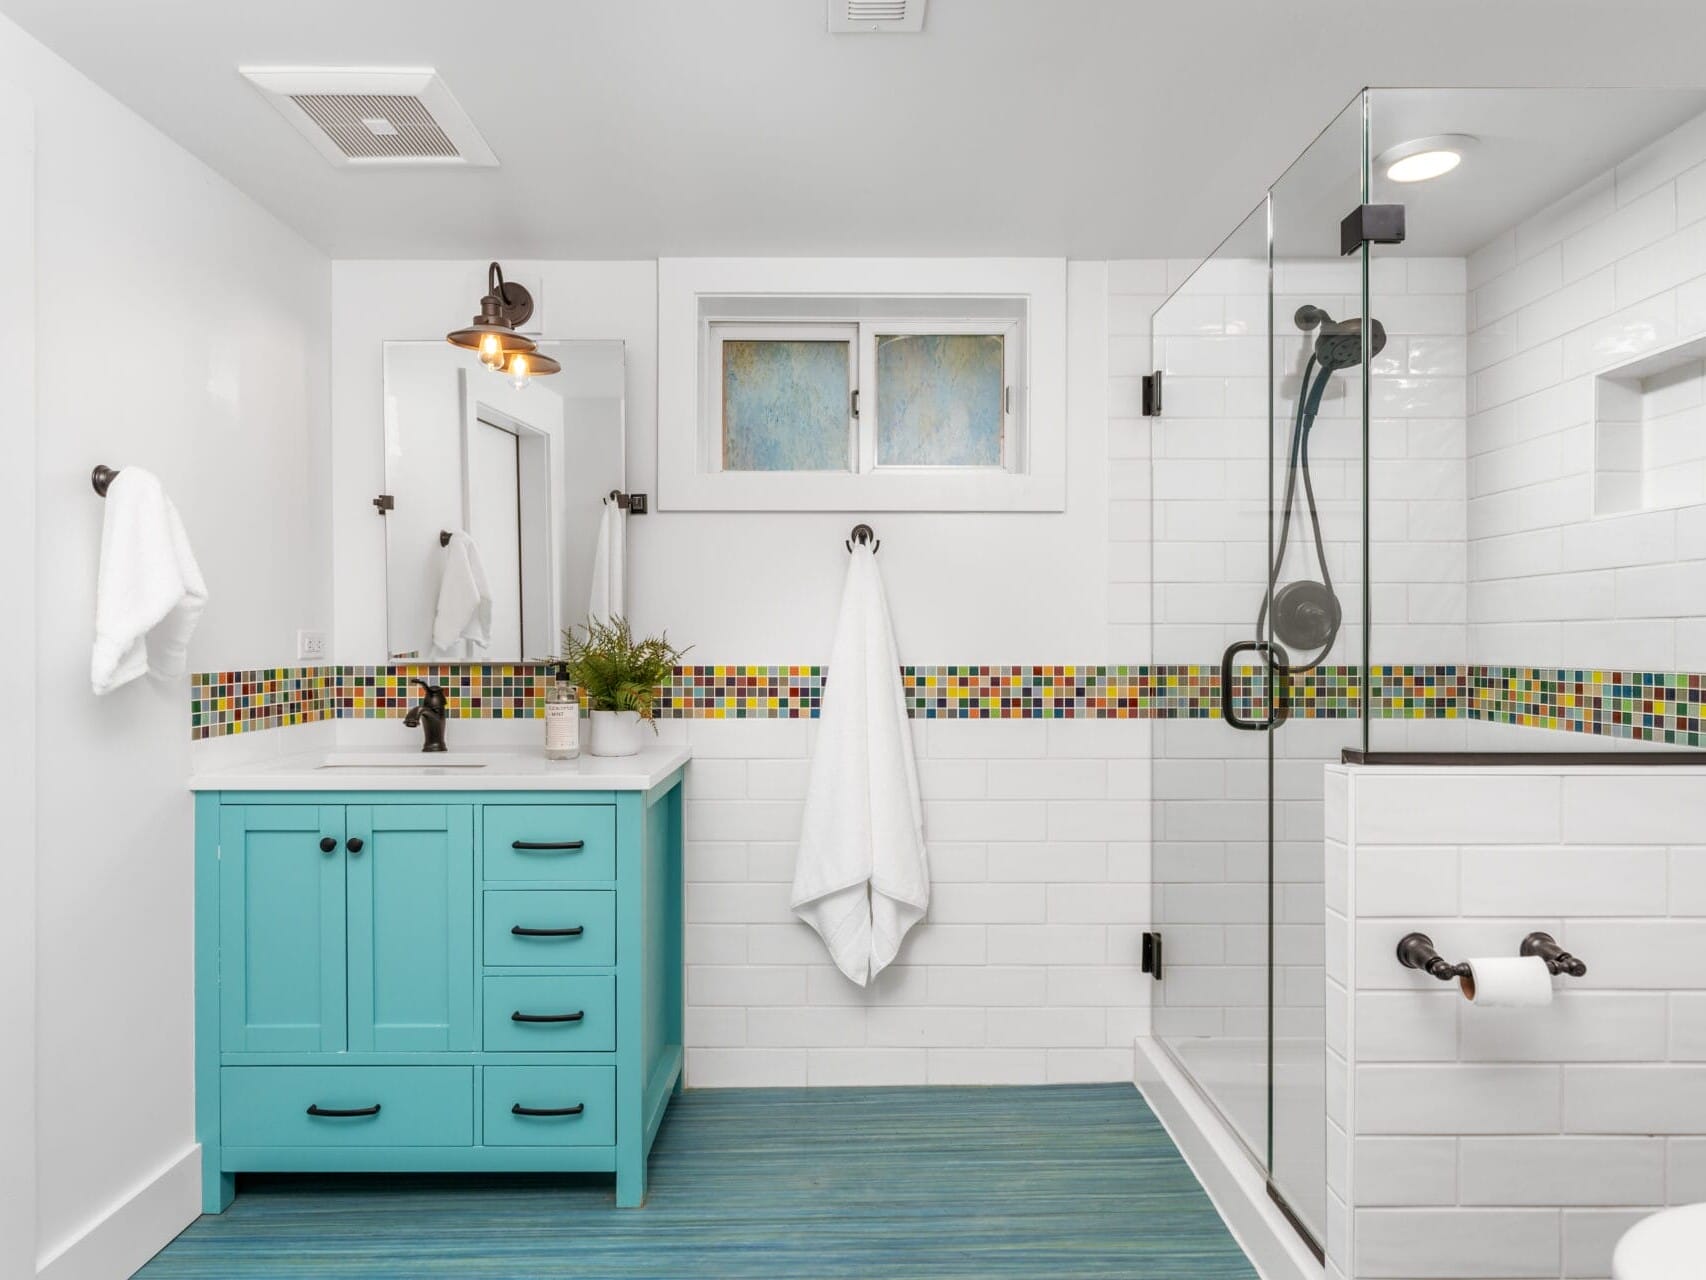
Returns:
point(1650, 432)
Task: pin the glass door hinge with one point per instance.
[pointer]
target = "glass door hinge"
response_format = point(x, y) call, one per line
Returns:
point(1152, 955)
point(1371, 224)
point(1152, 394)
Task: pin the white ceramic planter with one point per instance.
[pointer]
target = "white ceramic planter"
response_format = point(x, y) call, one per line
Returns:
point(615, 733)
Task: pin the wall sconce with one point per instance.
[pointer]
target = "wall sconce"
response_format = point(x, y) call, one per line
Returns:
point(524, 366)
point(492, 333)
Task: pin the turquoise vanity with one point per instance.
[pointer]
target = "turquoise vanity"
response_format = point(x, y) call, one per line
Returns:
point(472, 964)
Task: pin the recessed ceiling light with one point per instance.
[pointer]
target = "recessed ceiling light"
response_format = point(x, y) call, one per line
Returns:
point(1423, 158)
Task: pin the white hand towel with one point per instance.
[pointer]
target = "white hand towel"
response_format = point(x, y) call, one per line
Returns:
point(609, 568)
point(149, 591)
point(464, 599)
point(861, 878)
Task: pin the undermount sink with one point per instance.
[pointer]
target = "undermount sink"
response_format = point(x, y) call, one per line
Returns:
point(401, 760)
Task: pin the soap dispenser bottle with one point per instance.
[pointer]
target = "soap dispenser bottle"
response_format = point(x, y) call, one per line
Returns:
point(562, 718)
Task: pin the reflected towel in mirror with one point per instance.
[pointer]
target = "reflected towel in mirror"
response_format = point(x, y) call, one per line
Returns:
point(609, 566)
point(464, 609)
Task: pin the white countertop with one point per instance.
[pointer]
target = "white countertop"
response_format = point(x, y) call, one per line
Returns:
point(484, 769)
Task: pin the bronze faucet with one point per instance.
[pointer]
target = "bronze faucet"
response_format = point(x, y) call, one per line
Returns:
point(428, 714)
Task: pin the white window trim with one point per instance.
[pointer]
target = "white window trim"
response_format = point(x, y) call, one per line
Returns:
point(1037, 483)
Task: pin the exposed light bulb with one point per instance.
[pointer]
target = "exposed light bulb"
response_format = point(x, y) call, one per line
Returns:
point(520, 371)
point(492, 351)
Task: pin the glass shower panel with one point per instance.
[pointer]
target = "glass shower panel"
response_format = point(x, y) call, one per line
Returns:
point(1209, 450)
point(1317, 574)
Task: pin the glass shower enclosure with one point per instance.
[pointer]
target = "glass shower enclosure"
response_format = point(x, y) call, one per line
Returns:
point(1419, 454)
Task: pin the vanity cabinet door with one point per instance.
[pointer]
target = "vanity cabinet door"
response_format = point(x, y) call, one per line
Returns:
point(411, 927)
point(281, 928)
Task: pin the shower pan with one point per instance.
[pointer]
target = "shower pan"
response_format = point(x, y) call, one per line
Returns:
point(1383, 532)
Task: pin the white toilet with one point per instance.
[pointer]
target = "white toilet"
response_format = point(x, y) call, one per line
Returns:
point(1670, 1245)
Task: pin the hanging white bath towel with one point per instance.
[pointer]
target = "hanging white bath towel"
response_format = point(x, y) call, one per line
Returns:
point(861, 878)
point(464, 610)
point(609, 566)
point(149, 592)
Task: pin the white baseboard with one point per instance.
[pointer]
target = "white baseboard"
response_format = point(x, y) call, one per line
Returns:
point(133, 1230)
point(1233, 1183)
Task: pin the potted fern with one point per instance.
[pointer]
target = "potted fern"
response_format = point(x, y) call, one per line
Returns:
point(620, 677)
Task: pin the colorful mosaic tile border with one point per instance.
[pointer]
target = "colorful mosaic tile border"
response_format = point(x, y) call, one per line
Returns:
point(1652, 706)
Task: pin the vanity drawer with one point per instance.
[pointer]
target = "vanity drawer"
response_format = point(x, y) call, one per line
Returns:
point(515, 1097)
point(546, 920)
point(416, 1106)
point(550, 842)
point(556, 1015)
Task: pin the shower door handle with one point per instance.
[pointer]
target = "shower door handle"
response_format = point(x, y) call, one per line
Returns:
point(1269, 650)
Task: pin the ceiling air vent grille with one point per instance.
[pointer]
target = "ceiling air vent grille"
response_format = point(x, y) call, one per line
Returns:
point(876, 16)
point(373, 116)
point(372, 125)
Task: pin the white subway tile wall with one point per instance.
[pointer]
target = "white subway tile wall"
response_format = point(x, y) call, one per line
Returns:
point(1612, 273)
point(1481, 1142)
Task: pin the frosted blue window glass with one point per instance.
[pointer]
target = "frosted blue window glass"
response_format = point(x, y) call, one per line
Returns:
point(785, 405)
point(939, 399)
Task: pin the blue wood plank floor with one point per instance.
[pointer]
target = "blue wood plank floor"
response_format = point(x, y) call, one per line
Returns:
point(1057, 1181)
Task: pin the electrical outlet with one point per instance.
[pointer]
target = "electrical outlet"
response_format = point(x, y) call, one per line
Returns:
point(311, 646)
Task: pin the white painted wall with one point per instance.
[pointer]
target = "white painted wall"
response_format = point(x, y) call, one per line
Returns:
point(209, 323)
point(1615, 271)
point(17, 755)
point(1480, 1142)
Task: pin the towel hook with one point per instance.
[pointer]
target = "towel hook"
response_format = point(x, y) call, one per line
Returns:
point(863, 533)
point(444, 537)
point(101, 477)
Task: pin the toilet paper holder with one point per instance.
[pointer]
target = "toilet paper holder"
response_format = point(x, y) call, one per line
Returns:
point(1557, 959)
point(1416, 951)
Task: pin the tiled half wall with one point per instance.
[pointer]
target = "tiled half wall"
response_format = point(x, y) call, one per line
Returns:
point(1646, 705)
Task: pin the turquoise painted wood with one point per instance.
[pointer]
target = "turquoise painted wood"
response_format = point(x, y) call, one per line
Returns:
point(411, 927)
point(281, 946)
point(549, 1106)
point(537, 927)
point(382, 972)
point(538, 1013)
point(550, 842)
point(1066, 1181)
point(393, 1106)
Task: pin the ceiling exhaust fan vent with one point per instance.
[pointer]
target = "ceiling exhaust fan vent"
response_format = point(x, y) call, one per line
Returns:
point(890, 17)
point(358, 117)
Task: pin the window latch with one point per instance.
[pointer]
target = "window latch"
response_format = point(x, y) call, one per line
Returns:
point(855, 402)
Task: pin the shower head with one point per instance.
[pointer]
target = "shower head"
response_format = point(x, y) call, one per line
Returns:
point(1340, 344)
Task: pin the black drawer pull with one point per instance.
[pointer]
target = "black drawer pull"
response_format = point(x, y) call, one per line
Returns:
point(519, 1110)
point(574, 931)
point(335, 1113)
point(327, 844)
point(519, 1016)
point(547, 844)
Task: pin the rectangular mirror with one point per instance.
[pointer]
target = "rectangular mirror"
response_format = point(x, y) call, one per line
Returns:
point(500, 492)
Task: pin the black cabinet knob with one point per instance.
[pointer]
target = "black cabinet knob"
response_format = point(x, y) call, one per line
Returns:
point(354, 845)
point(327, 844)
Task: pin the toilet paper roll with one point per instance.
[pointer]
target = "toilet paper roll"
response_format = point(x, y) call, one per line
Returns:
point(1508, 982)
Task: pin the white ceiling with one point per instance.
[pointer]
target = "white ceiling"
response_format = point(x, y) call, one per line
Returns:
point(1089, 128)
